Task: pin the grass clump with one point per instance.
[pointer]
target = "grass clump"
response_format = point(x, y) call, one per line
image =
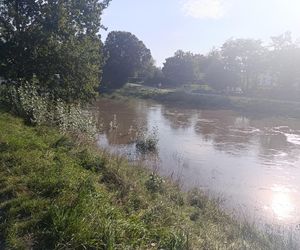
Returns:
point(147, 143)
point(58, 194)
point(154, 183)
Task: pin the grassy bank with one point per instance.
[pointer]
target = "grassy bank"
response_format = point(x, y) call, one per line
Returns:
point(58, 192)
point(195, 100)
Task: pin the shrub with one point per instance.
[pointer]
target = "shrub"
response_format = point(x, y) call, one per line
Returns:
point(72, 118)
point(38, 108)
point(24, 100)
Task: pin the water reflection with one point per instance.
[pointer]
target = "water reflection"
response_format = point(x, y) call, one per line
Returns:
point(127, 118)
point(178, 119)
point(282, 205)
point(227, 153)
point(228, 133)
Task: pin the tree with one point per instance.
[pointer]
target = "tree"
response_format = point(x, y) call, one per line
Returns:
point(183, 68)
point(55, 41)
point(244, 58)
point(216, 73)
point(153, 76)
point(284, 60)
point(127, 56)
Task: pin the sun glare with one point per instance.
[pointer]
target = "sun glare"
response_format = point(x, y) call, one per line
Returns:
point(282, 205)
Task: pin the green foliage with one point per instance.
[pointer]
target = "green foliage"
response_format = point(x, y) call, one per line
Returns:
point(178, 97)
point(26, 102)
point(219, 77)
point(154, 183)
point(71, 118)
point(40, 109)
point(188, 98)
point(153, 76)
point(143, 91)
point(126, 55)
point(183, 68)
point(55, 41)
point(244, 59)
point(239, 66)
point(48, 199)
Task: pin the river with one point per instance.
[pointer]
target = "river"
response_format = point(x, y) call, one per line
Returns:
point(251, 162)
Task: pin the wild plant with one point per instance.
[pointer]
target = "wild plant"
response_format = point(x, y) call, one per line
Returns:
point(38, 108)
point(147, 142)
point(154, 183)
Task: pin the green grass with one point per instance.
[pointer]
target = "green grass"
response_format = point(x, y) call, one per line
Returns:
point(59, 193)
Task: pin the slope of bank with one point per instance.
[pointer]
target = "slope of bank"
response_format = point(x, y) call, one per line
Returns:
point(196, 100)
point(58, 192)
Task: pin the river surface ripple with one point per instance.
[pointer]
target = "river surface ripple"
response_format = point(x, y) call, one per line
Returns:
point(252, 162)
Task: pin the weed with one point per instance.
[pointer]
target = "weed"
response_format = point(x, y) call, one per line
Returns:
point(154, 183)
point(147, 143)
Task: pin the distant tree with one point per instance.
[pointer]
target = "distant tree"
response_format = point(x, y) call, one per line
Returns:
point(127, 56)
point(55, 41)
point(183, 68)
point(153, 76)
point(216, 73)
point(244, 58)
point(284, 61)
point(282, 42)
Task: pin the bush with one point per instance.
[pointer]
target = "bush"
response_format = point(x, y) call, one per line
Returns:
point(38, 108)
point(24, 100)
point(72, 118)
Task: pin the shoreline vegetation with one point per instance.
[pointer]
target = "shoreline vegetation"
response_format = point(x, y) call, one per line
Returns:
point(186, 98)
point(60, 192)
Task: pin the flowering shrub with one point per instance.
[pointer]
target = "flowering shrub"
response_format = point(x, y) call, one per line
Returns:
point(72, 118)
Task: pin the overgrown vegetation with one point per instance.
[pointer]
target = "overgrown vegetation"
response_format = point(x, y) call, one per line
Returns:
point(57, 190)
point(58, 194)
point(39, 108)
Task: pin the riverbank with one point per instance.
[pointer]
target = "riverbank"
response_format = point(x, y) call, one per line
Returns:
point(63, 192)
point(180, 97)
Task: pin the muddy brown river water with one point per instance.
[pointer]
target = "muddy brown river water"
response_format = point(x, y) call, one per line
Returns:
point(251, 162)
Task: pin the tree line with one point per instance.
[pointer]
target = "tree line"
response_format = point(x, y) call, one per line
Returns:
point(57, 44)
point(240, 65)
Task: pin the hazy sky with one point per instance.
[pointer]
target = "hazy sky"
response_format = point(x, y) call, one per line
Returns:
point(198, 25)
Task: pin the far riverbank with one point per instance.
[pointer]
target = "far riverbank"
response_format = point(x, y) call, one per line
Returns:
point(182, 98)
